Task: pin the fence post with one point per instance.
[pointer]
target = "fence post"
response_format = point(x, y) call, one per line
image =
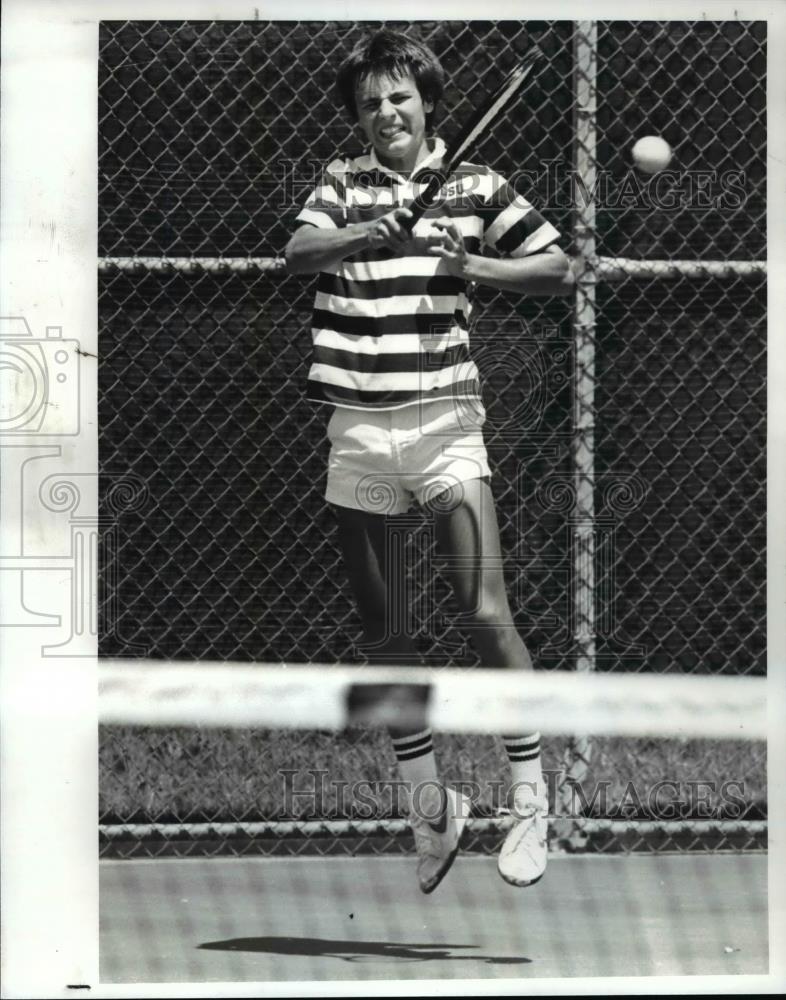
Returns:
point(585, 39)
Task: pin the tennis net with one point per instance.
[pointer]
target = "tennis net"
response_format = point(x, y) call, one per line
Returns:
point(662, 871)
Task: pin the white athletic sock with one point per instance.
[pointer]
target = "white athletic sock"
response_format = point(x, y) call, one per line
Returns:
point(417, 764)
point(524, 757)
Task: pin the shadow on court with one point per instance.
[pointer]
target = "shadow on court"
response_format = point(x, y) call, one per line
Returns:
point(357, 951)
point(363, 918)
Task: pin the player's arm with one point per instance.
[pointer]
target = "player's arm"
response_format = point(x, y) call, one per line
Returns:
point(312, 249)
point(546, 272)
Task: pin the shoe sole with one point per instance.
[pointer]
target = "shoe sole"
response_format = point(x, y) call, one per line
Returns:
point(461, 822)
point(517, 882)
point(520, 883)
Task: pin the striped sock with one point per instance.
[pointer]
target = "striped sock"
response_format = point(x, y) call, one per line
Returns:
point(415, 758)
point(524, 756)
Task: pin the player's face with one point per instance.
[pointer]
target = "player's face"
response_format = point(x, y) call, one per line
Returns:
point(392, 114)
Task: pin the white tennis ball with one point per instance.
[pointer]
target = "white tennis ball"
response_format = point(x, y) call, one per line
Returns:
point(651, 154)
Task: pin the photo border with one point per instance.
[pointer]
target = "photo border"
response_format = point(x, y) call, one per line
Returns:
point(48, 251)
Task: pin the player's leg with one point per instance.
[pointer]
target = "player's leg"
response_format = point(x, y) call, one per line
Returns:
point(375, 570)
point(467, 536)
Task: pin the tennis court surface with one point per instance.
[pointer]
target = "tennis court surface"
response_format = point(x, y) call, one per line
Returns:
point(274, 919)
point(337, 900)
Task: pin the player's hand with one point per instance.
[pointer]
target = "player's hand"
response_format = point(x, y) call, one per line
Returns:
point(389, 231)
point(447, 242)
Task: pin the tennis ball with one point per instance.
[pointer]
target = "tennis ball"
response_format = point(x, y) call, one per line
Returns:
point(651, 154)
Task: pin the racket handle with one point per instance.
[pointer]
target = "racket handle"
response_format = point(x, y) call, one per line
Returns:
point(424, 200)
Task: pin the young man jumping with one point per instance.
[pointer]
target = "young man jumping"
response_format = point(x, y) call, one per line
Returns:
point(392, 357)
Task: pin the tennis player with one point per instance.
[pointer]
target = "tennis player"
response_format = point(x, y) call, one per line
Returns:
point(392, 359)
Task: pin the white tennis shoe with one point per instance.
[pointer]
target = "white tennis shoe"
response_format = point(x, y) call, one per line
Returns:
point(437, 840)
point(522, 860)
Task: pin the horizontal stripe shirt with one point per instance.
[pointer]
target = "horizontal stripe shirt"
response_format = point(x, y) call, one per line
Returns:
point(391, 327)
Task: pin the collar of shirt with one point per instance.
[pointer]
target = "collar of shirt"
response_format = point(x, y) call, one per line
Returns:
point(437, 151)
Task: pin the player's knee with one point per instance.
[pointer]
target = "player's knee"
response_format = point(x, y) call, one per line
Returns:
point(493, 631)
point(491, 614)
point(499, 645)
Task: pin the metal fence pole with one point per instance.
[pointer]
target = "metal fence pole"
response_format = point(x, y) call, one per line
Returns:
point(583, 430)
point(584, 338)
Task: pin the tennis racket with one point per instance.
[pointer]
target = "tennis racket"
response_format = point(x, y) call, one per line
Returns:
point(473, 132)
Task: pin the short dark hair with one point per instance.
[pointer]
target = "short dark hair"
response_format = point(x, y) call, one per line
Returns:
point(395, 54)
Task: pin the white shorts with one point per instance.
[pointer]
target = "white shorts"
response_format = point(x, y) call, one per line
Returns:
point(382, 460)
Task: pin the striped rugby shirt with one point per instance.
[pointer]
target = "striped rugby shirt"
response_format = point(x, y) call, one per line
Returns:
point(391, 328)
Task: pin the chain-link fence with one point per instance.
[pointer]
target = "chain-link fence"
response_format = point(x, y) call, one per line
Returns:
point(626, 429)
